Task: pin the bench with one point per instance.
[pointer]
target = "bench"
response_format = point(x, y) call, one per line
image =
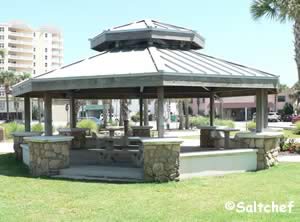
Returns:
point(25, 153)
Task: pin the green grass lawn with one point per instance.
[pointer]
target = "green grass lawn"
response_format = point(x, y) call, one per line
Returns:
point(23, 198)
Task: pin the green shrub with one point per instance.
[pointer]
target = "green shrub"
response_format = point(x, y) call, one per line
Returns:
point(11, 127)
point(87, 123)
point(38, 127)
point(198, 121)
point(251, 125)
point(136, 117)
point(297, 129)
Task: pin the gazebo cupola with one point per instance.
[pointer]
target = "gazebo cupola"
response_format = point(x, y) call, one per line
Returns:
point(145, 33)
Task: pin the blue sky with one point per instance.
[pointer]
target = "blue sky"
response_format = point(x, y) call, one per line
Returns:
point(227, 26)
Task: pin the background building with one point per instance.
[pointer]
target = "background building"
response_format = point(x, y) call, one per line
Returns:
point(30, 50)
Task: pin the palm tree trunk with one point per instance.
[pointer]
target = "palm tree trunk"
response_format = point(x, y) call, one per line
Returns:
point(7, 102)
point(297, 45)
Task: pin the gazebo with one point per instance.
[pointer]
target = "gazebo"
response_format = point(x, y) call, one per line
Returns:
point(148, 59)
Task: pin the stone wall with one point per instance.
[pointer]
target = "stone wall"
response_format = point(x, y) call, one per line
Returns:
point(268, 147)
point(19, 139)
point(161, 160)
point(46, 158)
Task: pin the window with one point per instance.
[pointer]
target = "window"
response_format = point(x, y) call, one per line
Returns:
point(1, 61)
point(281, 98)
point(33, 71)
point(1, 36)
point(46, 57)
point(33, 56)
point(1, 45)
point(1, 68)
point(34, 49)
point(46, 64)
point(46, 50)
point(34, 64)
point(46, 35)
point(1, 29)
point(34, 34)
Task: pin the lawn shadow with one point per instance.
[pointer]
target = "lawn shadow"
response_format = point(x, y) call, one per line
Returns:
point(9, 166)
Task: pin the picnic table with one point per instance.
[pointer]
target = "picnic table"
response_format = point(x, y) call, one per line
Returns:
point(112, 129)
point(226, 135)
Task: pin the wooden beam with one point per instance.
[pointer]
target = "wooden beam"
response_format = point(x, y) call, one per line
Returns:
point(160, 103)
point(73, 118)
point(48, 114)
point(211, 108)
point(27, 113)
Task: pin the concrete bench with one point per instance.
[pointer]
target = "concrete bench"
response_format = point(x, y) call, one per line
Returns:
point(110, 156)
point(25, 153)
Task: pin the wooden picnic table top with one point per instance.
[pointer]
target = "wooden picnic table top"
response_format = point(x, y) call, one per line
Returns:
point(227, 129)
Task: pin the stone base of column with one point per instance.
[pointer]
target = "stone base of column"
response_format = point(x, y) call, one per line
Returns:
point(161, 159)
point(48, 154)
point(19, 139)
point(267, 144)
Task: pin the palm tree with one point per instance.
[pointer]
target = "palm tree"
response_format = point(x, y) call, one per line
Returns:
point(2, 53)
point(281, 10)
point(7, 79)
point(296, 94)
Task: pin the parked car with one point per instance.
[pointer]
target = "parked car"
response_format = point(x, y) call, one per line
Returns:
point(296, 119)
point(274, 117)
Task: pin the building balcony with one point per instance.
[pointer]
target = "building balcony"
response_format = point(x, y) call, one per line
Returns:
point(57, 46)
point(20, 34)
point(20, 50)
point(56, 39)
point(56, 54)
point(27, 58)
point(20, 42)
point(15, 65)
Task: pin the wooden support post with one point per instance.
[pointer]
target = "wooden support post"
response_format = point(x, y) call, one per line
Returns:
point(212, 108)
point(266, 109)
point(160, 103)
point(141, 110)
point(27, 113)
point(73, 118)
point(261, 110)
point(146, 117)
point(48, 114)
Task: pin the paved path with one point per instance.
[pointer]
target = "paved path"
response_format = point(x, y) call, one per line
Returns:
point(289, 158)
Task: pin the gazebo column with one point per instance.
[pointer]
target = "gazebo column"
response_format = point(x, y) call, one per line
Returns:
point(141, 110)
point(27, 112)
point(211, 108)
point(261, 110)
point(160, 103)
point(73, 118)
point(48, 114)
point(146, 118)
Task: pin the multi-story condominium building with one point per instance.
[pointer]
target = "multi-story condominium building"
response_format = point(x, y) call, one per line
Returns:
point(30, 50)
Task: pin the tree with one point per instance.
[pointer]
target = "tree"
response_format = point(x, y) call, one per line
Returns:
point(2, 53)
point(296, 94)
point(281, 10)
point(8, 79)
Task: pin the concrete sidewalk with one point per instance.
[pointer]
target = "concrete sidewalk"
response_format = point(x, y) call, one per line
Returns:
point(6, 147)
point(289, 158)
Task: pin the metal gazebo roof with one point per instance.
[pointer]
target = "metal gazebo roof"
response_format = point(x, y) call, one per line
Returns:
point(123, 69)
